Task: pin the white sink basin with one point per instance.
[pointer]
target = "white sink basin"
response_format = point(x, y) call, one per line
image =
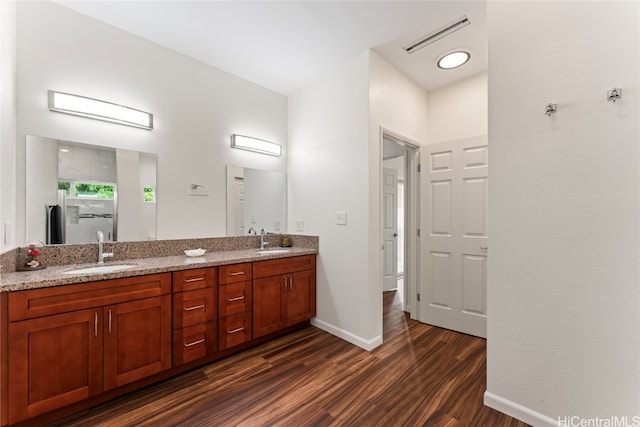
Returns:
point(273, 251)
point(109, 268)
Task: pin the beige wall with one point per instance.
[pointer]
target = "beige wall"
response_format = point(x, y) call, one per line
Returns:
point(459, 110)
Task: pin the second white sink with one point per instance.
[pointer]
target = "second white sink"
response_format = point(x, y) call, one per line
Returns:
point(108, 268)
point(273, 251)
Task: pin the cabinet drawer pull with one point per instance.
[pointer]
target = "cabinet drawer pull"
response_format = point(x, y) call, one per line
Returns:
point(195, 307)
point(95, 325)
point(195, 279)
point(191, 344)
point(237, 273)
point(109, 321)
point(235, 299)
point(236, 330)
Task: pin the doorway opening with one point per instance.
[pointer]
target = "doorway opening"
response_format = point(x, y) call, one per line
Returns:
point(400, 219)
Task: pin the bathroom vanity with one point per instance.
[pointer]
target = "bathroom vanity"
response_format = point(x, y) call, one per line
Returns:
point(70, 341)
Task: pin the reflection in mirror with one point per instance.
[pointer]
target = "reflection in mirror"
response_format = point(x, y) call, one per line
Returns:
point(75, 190)
point(256, 199)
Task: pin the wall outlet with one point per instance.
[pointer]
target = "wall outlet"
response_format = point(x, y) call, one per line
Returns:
point(299, 226)
point(253, 218)
point(341, 218)
point(276, 226)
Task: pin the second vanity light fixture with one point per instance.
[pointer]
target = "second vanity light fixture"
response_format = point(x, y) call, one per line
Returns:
point(256, 145)
point(99, 110)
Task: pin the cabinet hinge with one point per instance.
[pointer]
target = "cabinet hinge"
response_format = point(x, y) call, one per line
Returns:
point(418, 297)
point(419, 168)
point(418, 232)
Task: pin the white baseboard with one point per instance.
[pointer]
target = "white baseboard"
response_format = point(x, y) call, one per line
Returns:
point(518, 411)
point(348, 336)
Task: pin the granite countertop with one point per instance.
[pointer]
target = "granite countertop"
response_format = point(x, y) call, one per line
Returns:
point(55, 275)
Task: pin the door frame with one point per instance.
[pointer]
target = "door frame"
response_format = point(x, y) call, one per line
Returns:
point(412, 217)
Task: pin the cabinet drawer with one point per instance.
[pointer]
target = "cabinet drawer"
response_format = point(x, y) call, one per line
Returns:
point(234, 298)
point(274, 267)
point(234, 273)
point(193, 342)
point(234, 330)
point(193, 307)
point(199, 278)
point(62, 299)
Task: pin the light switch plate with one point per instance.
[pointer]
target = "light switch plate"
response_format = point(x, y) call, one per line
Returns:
point(341, 218)
point(253, 218)
point(299, 226)
point(276, 226)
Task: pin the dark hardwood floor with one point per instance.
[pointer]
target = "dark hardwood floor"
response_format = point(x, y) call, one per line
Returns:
point(420, 376)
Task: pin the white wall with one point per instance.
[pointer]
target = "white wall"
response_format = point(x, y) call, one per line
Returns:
point(196, 109)
point(328, 172)
point(334, 165)
point(459, 110)
point(563, 297)
point(7, 124)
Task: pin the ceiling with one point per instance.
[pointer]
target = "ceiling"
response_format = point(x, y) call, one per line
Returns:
point(286, 45)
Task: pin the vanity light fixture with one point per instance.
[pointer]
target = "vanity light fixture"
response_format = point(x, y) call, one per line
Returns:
point(453, 60)
point(99, 110)
point(257, 145)
point(436, 35)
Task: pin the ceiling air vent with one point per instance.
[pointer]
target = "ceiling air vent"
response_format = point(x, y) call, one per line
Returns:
point(436, 35)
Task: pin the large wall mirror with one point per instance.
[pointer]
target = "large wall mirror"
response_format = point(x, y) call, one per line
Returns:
point(256, 199)
point(76, 189)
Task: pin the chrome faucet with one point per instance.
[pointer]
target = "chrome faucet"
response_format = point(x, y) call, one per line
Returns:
point(101, 254)
point(262, 242)
point(253, 231)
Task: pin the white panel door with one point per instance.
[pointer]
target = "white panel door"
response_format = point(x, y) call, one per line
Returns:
point(390, 228)
point(453, 243)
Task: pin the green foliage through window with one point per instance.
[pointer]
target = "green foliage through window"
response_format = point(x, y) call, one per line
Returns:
point(65, 185)
point(99, 191)
point(149, 194)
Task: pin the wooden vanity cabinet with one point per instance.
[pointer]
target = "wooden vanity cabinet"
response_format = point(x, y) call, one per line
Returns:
point(284, 293)
point(194, 314)
point(235, 296)
point(69, 343)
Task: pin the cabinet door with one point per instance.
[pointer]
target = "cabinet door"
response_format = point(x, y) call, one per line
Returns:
point(301, 297)
point(137, 340)
point(269, 306)
point(54, 361)
point(234, 330)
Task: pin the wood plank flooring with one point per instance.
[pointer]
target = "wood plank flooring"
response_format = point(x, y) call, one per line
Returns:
point(420, 376)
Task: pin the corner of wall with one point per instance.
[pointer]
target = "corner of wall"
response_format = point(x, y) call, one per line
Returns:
point(8, 122)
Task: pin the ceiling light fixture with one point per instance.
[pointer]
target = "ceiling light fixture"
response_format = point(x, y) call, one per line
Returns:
point(99, 110)
point(453, 60)
point(256, 145)
point(436, 35)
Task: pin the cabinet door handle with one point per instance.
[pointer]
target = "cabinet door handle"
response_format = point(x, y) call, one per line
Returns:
point(191, 344)
point(235, 299)
point(109, 321)
point(237, 273)
point(290, 283)
point(195, 279)
point(240, 329)
point(95, 325)
point(284, 282)
point(195, 307)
